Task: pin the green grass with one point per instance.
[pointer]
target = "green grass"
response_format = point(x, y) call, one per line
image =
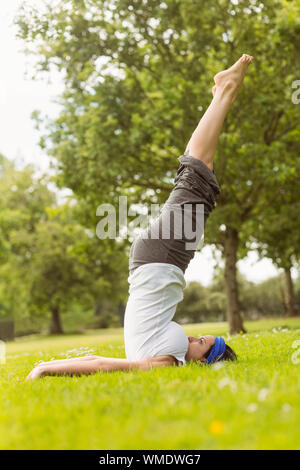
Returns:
point(250, 404)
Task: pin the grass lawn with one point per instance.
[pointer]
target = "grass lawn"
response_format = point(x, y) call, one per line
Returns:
point(251, 404)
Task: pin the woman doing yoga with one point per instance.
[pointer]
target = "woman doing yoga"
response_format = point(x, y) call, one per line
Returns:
point(160, 256)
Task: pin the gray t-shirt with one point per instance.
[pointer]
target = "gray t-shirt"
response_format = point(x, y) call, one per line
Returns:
point(154, 292)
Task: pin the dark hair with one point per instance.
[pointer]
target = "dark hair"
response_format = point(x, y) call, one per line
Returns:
point(229, 354)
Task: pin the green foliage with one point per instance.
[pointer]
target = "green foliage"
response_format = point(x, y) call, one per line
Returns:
point(137, 75)
point(67, 264)
point(48, 258)
point(277, 232)
point(23, 199)
point(262, 300)
point(202, 304)
point(250, 404)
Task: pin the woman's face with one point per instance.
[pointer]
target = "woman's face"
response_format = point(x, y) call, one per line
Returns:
point(198, 347)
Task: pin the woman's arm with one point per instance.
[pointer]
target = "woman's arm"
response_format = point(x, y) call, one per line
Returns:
point(96, 364)
point(60, 361)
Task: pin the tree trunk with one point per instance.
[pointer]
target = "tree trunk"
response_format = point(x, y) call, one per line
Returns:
point(98, 309)
point(289, 298)
point(233, 307)
point(55, 325)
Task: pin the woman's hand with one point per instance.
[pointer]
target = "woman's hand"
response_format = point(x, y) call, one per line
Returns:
point(36, 373)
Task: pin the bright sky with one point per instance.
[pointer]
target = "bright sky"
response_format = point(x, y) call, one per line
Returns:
point(19, 96)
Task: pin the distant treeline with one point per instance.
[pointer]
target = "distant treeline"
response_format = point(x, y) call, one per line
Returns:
point(265, 299)
point(200, 304)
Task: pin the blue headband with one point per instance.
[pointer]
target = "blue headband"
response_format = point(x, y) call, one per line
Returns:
point(217, 351)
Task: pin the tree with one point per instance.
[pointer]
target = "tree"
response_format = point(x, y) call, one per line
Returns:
point(277, 236)
point(138, 73)
point(23, 199)
point(57, 276)
point(48, 259)
point(68, 265)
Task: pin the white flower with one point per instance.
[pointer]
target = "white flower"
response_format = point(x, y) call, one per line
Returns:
point(218, 365)
point(252, 407)
point(262, 395)
point(226, 381)
point(286, 408)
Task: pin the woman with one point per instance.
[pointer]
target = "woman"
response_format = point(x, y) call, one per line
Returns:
point(158, 262)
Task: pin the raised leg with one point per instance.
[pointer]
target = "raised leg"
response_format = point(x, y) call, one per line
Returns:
point(204, 140)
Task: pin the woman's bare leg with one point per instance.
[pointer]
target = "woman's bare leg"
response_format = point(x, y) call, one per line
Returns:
point(204, 140)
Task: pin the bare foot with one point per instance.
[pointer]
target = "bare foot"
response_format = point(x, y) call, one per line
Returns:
point(231, 80)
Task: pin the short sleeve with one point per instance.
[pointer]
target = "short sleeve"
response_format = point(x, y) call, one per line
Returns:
point(173, 342)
